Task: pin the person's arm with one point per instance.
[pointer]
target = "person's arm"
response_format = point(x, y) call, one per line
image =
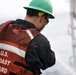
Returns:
point(39, 53)
point(48, 57)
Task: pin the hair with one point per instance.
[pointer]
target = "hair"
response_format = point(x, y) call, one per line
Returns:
point(32, 12)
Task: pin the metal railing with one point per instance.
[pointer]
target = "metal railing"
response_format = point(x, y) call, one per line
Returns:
point(72, 30)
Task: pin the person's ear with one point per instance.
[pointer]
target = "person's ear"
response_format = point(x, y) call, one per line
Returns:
point(42, 19)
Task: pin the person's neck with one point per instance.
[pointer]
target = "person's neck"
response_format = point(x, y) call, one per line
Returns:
point(32, 19)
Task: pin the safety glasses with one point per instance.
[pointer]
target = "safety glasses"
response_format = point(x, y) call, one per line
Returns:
point(47, 18)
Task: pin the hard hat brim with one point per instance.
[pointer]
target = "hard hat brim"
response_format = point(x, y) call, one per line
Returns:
point(50, 15)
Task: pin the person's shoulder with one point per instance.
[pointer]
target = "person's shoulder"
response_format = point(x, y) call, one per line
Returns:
point(41, 38)
point(6, 23)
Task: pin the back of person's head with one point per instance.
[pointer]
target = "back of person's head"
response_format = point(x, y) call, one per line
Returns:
point(32, 12)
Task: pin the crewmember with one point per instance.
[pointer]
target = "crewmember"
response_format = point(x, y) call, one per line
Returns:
point(23, 49)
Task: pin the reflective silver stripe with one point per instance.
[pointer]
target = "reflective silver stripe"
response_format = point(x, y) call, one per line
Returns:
point(13, 49)
point(30, 34)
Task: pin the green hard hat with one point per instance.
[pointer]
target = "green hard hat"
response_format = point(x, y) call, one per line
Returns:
point(41, 5)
